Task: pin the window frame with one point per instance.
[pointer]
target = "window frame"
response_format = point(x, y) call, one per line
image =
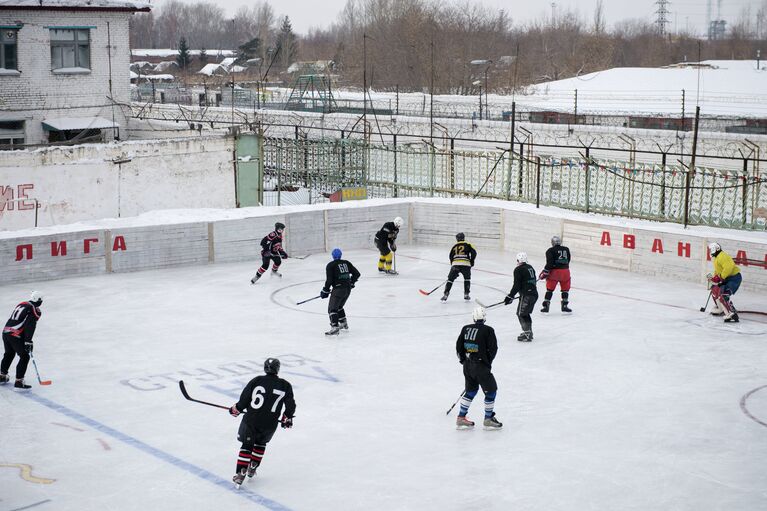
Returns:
point(4, 45)
point(74, 45)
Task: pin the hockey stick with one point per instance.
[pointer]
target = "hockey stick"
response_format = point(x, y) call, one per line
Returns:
point(186, 395)
point(703, 309)
point(492, 304)
point(427, 293)
point(456, 402)
point(42, 382)
point(309, 300)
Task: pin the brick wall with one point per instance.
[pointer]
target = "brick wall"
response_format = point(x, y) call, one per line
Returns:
point(36, 93)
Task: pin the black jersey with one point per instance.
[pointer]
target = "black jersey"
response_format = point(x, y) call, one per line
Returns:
point(271, 244)
point(23, 321)
point(388, 233)
point(477, 342)
point(340, 273)
point(557, 258)
point(264, 398)
point(524, 281)
point(462, 254)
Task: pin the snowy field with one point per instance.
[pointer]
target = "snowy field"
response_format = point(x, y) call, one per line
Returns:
point(636, 401)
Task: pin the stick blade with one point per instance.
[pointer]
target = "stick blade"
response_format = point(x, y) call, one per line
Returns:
point(425, 293)
point(45, 382)
point(183, 389)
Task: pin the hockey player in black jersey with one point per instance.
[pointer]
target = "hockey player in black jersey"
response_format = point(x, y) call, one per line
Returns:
point(462, 257)
point(476, 348)
point(17, 338)
point(556, 271)
point(386, 243)
point(271, 252)
point(263, 399)
point(340, 275)
point(524, 284)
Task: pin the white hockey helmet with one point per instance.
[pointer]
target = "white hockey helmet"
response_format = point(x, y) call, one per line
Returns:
point(479, 314)
point(521, 258)
point(398, 222)
point(556, 240)
point(714, 247)
point(36, 296)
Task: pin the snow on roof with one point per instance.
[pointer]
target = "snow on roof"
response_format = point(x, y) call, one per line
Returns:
point(209, 69)
point(133, 75)
point(237, 69)
point(161, 77)
point(727, 88)
point(168, 52)
point(78, 4)
point(227, 62)
point(77, 123)
point(165, 65)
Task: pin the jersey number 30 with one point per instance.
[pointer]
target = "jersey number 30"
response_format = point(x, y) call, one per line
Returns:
point(258, 398)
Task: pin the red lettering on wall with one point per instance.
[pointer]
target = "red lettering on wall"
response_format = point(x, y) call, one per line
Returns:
point(58, 248)
point(119, 244)
point(741, 258)
point(629, 241)
point(708, 254)
point(657, 245)
point(87, 244)
point(23, 252)
point(6, 194)
point(605, 239)
point(683, 248)
point(22, 194)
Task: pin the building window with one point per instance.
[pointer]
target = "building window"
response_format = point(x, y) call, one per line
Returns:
point(8, 45)
point(70, 48)
point(11, 135)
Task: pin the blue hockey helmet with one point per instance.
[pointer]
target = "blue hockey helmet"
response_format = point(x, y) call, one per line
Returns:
point(336, 253)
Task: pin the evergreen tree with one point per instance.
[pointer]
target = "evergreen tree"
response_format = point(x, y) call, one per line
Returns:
point(183, 54)
point(203, 57)
point(249, 50)
point(287, 42)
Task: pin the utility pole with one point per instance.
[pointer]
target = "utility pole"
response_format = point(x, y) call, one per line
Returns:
point(662, 16)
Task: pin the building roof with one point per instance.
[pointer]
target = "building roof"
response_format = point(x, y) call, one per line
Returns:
point(77, 123)
point(169, 52)
point(77, 5)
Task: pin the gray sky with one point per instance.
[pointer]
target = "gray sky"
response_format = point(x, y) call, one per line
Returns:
point(306, 14)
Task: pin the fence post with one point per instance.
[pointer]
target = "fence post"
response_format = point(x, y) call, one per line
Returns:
point(744, 177)
point(691, 169)
point(521, 169)
point(588, 180)
point(452, 167)
point(394, 137)
point(663, 186)
point(537, 181)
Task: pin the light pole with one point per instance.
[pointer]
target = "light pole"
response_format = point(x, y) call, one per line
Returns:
point(487, 63)
point(478, 83)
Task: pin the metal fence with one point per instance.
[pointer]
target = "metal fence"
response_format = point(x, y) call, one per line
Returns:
point(672, 193)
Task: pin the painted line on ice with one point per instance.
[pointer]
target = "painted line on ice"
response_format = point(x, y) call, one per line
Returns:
point(744, 408)
point(31, 505)
point(224, 484)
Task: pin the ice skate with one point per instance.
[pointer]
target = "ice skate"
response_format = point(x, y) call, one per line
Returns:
point(463, 422)
point(545, 307)
point(238, 478)
point(21, 385)
point(381, 270)
point(444, 297)
point(391, 272)
point(252, 469)
point(333, 330)
point(716, 311)
point(732, 318)
point(565, 308)
point(466, 296)
point(275, 273)
point(525, 337)
point(255, 278)
point(491, 423)
point(4, 379)
point(343, 324)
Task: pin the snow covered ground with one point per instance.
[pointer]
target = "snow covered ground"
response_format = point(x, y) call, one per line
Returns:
point(636, 401)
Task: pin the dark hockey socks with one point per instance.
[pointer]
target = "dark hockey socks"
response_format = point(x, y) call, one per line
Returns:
point(243, 461)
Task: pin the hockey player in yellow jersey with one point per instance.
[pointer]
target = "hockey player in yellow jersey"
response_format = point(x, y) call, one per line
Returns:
point(386, 243)
point(724, 283)
point(462, 257)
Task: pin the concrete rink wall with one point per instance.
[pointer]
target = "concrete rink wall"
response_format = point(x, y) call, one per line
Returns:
point(658, 250)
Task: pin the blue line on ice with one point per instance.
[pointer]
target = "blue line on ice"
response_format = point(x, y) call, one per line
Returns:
point(157, 453)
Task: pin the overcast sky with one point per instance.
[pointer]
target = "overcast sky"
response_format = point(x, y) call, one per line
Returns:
point(306, 14)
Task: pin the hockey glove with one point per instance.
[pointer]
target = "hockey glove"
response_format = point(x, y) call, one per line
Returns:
point(351, 284)
point(28, 346)
point(393, 246)
point(544, 275)
point(508, 299)
point(287, 422)
point(324, 294)
point(716, 280)
point(233, 411)
point(284, 255)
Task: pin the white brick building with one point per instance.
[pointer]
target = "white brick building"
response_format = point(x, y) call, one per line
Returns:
point(64, 69)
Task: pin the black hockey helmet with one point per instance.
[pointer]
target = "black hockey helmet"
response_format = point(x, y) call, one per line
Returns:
point(460, 236)
point(279, 226)
point(272, 365)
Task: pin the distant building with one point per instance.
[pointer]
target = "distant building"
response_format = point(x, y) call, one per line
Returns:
point(64, 69)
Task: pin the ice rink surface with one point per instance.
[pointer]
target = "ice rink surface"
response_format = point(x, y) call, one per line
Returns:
point(636, 401)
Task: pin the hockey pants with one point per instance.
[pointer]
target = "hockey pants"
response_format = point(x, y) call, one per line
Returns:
point(524, 309)
point(559, 276)
point(338, 298)
point(253, 445)
point(14, 346)
point(266, 259)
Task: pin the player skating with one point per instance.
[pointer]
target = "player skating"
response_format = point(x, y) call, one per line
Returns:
point(17, 338)
point(557, 270)
point(263, 398)
point(271, 252)
point(524, 284)
point(462, 257)
point(340, 275)
point(386, 242)
point(724, 283)
point(476, 348)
